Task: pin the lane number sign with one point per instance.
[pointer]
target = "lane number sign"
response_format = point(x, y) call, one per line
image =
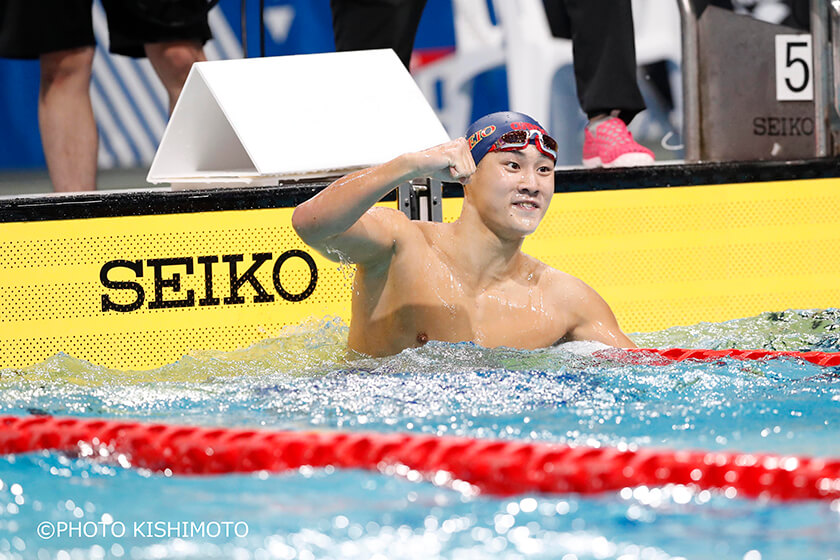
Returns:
point(794, 68)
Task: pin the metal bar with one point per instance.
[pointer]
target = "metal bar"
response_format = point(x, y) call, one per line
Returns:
point(822, 86)
point(243, 27)
point(690, 79)
point(420, 199)
point(262, 28)
point(407, 200)
point(835, 52)
point(435, 200)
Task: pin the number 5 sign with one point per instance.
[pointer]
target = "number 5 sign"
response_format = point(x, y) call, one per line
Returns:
point(794, 74)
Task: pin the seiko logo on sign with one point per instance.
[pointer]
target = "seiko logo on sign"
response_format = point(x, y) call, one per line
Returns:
point(783, 126)
point(167, 275)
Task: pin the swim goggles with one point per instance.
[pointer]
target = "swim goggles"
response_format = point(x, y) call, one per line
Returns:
point(519, 139)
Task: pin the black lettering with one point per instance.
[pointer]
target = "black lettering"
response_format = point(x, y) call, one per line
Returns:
point(810, 122)
point(793, 60)
point(174, 282)
point(313, 275)
point(759, 126)
point(794, 126)
point(208, 298)
point(134, 266)
point(237, 282)
point(774, 126)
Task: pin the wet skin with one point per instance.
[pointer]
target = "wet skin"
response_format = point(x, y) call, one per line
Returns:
point(464, 281)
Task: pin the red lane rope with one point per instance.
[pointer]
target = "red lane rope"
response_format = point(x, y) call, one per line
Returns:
point(682, 354)
point(497, 467)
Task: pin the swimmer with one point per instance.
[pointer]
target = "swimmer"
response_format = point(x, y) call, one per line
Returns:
point(463, 281)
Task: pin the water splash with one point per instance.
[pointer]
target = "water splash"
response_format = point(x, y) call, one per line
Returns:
point(304, 378)
point(796, 330)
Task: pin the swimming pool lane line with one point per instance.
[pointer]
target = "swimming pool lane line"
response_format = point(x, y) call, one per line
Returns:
point(493, 466)
point(827, 359)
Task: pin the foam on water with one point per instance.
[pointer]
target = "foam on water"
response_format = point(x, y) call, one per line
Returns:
point(796, 330)
point(306, 379)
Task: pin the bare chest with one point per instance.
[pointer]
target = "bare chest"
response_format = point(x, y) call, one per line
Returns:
point(430, 300)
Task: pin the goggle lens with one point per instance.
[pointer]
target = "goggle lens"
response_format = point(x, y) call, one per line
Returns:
point(518, 139)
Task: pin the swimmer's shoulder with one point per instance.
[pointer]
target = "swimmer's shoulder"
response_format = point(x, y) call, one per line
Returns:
point(566, 290)
point(434, 233)
point(408, 234)
point(545, 275)
point(396, 221)
point(587, 315)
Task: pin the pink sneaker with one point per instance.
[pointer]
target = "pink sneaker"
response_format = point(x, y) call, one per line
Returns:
point(612, 145)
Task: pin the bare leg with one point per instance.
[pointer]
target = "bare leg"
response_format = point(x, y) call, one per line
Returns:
point(65, 117)
point(172, 62)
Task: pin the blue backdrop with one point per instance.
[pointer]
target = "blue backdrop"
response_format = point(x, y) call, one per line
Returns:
point(130, 121)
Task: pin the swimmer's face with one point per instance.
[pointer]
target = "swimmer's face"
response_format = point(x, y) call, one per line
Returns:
point(512, 190)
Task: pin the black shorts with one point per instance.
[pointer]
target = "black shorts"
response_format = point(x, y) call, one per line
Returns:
point(30, 28)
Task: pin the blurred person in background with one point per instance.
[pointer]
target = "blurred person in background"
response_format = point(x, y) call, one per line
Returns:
point(376, 24)
point(59, 33)
point(605, 75)
point(604, 61)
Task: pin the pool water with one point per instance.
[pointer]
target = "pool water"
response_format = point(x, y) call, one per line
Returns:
point(304, 379)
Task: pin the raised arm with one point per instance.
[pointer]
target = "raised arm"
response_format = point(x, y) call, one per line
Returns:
point(341, 222)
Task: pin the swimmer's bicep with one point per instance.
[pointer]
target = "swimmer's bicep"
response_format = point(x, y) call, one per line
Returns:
point(372, 238)
point(593, 319)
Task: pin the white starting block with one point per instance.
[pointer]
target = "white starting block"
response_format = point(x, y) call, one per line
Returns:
point(258, 121)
